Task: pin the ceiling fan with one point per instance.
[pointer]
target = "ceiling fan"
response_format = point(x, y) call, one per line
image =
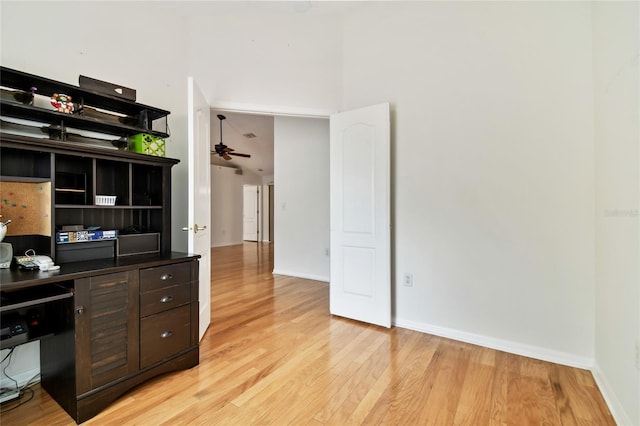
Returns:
point(223, 150)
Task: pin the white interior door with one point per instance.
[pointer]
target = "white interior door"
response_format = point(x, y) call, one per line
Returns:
point(200, 194)
point(250, 213)
point(360, 285)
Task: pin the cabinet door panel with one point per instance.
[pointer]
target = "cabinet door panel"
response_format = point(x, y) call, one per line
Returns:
point(163, 276)
point(107, 330)
point(164, 299)
point(164, 335)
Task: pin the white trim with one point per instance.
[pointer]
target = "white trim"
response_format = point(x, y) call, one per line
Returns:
point(304, 276)
point(281, 110)
point(191, 158)
point(517, 348)
point(617, 410)
point(225, 244)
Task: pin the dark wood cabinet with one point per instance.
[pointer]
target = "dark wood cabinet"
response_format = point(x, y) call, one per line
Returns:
point(107, 329)
point(115, 314)
point(128, 321)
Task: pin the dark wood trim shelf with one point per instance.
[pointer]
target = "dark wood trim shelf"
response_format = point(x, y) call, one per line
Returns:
point(73, 148)
point(116, 207)
point(24, 81)
point(23, 179)
point(73, 120)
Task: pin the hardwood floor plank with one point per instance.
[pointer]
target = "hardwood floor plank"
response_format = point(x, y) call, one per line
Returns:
point(406, 356)
point(441, 406)
point(273, 355)
point(474, 406)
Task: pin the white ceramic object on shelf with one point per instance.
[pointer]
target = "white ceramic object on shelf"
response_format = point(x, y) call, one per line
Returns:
point(3, 229)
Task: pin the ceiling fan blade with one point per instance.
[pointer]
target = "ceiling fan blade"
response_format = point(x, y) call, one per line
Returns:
point(237, 154)
point(227, 149)
point(226, 157)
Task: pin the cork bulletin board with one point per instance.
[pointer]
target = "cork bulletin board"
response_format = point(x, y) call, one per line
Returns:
point(28, 205)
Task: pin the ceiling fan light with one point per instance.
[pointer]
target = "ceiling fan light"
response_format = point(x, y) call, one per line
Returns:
point(224, 151)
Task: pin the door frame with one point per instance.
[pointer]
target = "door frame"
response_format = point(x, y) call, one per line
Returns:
point(283, 111)
point(325, 114)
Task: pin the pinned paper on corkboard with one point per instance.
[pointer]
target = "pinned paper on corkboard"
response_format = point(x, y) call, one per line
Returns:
point(28, 206)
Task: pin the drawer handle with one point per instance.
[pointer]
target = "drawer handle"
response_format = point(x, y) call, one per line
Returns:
point(166, 299)
point(166, 334)
point(165, 277)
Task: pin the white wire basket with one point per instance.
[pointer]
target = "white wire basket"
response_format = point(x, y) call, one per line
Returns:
point(105, 200)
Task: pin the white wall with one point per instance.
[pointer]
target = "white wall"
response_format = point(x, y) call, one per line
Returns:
point(267, 56)
point(301, 211)
point(616, 44)
point(492, 165)
point(226, 204)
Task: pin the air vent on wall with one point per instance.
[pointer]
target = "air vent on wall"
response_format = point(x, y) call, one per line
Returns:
point(249, 135)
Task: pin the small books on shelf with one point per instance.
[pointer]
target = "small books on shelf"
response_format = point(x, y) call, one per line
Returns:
point(85, 235)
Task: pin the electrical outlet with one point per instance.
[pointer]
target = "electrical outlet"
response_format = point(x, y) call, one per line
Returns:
point(408, 279)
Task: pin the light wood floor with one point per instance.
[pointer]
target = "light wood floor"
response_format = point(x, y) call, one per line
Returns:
point(274, 355)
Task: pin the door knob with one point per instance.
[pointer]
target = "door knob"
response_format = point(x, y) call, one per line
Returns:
point(195, 228)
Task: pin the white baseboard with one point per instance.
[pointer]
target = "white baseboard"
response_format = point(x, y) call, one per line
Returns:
point(301, 275)
point(226, 243)
point(22, 378)
point(617, 411)
point(536, 352)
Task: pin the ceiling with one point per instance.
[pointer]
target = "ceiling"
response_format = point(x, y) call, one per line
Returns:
point(234, 128)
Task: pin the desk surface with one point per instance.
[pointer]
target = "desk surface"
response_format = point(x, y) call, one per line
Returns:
point(14, 279)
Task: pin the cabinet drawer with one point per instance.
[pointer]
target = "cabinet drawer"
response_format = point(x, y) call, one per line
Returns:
point(163, 276)
point(164, 299)
point(163, 335)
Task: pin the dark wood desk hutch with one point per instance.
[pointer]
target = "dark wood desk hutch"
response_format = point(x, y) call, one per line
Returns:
point(117, 312)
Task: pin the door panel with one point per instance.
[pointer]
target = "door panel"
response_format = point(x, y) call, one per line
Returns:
point(250, 213)
point(360, 285)
point(358, 196)
point(200, 195)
